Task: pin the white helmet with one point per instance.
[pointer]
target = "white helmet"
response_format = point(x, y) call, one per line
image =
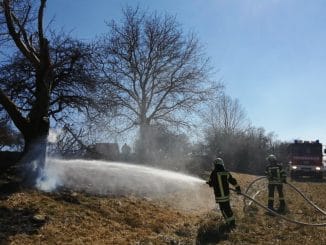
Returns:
point(218, 161)
point(271, 158)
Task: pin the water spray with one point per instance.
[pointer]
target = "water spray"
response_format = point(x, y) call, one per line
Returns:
point(118, 178)
point(102, 177)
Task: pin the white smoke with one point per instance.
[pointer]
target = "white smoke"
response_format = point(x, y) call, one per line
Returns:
point(53, 135)
point(50, 178)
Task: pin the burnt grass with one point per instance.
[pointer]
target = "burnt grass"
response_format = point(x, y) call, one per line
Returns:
point(29, 216)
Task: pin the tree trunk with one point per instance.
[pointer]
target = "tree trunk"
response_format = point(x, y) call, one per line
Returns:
point(36, 133)
point(143, 142)
point(34, 155)
point(35, 127)
point(33, 160)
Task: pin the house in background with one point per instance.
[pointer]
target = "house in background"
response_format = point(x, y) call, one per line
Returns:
point(105, 151)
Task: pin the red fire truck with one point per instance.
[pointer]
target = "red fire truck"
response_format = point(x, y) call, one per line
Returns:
point(306, 159)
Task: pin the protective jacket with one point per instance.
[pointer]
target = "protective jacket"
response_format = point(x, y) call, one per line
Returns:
point(219, 180)
point(275, 174)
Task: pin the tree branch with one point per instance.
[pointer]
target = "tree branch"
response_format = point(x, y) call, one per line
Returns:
point(15, 36)
point(20, 122)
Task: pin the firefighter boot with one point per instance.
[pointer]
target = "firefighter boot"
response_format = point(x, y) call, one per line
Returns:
point(232, 225)
point(270, 204)
point(281, 209)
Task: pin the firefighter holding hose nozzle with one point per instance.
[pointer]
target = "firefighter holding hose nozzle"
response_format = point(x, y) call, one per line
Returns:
point(219, 180)
point(276, 177)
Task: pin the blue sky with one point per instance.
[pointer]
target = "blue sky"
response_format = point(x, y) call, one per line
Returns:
point(271, 54)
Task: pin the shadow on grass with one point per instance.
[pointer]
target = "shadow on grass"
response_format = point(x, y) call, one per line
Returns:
point(10, 179)
point(212, 234)
point(18, 221)
point(8, 188)
point(308, 179)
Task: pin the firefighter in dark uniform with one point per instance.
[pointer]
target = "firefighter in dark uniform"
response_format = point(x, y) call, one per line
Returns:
point(219, 180)
point(276, 177)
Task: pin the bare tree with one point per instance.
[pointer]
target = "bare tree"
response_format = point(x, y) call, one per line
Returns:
point(226, 115)
point(35, 48)
point(155, 71)
point(41, 79)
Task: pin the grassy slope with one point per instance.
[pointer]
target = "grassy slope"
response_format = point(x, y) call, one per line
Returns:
point(256, 227)
point(32, 217)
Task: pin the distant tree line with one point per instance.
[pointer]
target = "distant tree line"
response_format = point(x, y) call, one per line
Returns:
point(228, 134)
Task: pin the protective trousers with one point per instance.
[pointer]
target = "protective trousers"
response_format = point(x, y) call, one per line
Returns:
point(271, 188)
point(227, 213)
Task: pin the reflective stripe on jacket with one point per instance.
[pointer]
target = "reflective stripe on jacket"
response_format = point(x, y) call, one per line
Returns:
point(275, 174)
point(220, 180)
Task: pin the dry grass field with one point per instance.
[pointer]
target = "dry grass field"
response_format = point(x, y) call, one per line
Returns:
point(68, 217)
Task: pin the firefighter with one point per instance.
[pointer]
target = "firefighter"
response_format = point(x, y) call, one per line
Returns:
point(276, 177)
point(219, 180)
point(125, 152)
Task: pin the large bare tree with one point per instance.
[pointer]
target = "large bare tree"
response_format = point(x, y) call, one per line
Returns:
point(157, 73)
point(35, 48)
point(40, 79)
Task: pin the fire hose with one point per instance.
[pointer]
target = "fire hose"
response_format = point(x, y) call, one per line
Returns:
point(246, 196)
point(293, 187)
point(310, 202)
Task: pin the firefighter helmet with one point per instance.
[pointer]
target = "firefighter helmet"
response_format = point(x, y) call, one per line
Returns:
point(219, 161)
point(271, 158)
